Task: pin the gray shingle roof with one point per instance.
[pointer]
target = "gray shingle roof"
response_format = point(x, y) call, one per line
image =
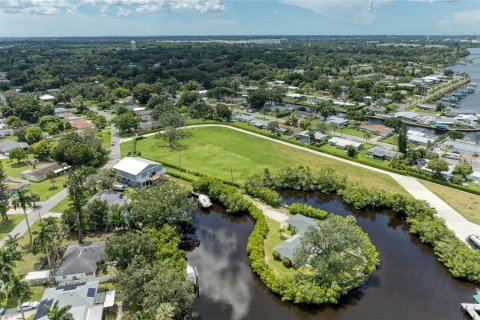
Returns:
point(287, 248)
point(81, 258)
point(6, 146)
point(111, 197)
point(383, 153)
point(300, 223)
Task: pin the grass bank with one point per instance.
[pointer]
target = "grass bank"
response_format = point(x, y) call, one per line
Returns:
point(231, 155)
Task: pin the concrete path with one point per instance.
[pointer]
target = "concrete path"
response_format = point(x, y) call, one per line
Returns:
point(454, 221)
point(12, 314)
point(277, 214)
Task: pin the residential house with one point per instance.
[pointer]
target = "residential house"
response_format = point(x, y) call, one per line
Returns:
point(304, 137)
point(382, 153)
point(408, 116)
point(46, 98)
point(37, 278)
point(337, 121)
point(344, 143)
point(259, 124)
point(462, 147)
point(111, 198)
point(40, 173)
point(6, 133)
point(427, 107)
point(84, 300)
point(298, 224)
point(81, 123)
point(138, 172)
point(79, 262)
point(376, 129)
point(6, 146)
point(419, 137)
point(14, 184)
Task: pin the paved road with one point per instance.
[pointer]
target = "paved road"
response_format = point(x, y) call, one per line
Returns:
point(454, 221)
point(115, 148)
point(12, 314)
point(277, 214)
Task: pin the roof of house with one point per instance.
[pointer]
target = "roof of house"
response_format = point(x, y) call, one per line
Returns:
point(110, 197)
point(6, 146)
point(37, 275)
point(383, 153)
point(43, 169)
point(80, 297)
point(340, 142)
point(80, 258)
point(407, 115)
point(133, 165)
point(463, 146)
point(81, 123)
point(376, 128)
point(336, 120)
point(46, 97)
point(288, 247)
point(300, 223)
point(318, 135)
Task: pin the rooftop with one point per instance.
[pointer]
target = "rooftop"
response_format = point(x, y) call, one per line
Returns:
point(80, 258)
point(110, 197)
point(133, 165)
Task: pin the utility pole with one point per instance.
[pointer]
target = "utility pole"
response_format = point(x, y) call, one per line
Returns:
point(231, 174)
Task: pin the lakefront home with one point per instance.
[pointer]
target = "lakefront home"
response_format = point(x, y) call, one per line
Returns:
point(138, 172)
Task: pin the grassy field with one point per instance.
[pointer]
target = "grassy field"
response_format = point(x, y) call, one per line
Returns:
point(458, 200)
point(45, 188)
point(393, 139)
point(60, 206)
point(9, 225)
point(223, 153)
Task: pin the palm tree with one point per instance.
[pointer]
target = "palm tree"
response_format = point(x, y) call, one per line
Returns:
point(43, 240)
point(23, 200)
point(367, 136)
point(165, 312)
point(17, 289)
point(57, 313)
point(9, 256)
point(12, 240)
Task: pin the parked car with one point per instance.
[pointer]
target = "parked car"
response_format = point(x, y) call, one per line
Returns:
point(113, 143)
point(29, 305)
point(2, 311)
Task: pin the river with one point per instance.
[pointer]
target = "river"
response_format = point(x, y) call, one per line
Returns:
point(472, 101)
point(410, 284)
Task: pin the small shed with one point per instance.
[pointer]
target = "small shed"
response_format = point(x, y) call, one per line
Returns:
point(38, 278)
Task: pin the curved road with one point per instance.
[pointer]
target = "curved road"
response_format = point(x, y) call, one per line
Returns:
point(454, 221)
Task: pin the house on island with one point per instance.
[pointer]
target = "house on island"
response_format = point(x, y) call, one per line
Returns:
point(305, 137)
point(299, 224)
point(344, 143)
point(6, 146)
point(84, 299)
point(40, 173)
point(79, 262)
point(139, 172)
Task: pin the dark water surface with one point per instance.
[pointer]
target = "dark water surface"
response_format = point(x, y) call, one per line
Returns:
point(410, 284)
point(472, 101)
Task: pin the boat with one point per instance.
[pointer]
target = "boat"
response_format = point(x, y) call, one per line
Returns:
point(474, 239)
point(204, 201)
point(192, 275)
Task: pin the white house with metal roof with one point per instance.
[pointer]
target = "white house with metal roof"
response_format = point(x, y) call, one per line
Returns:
point(138, 172)
point(344, 143)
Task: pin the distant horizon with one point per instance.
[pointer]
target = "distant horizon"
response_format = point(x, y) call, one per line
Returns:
point(128, 18)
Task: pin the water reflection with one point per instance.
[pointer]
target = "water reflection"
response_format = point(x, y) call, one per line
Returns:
point(410, 283)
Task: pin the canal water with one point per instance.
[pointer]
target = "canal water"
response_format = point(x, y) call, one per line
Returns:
point(472, 101)
point(410, 284)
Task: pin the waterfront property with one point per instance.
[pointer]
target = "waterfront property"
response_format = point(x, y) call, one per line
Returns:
point(304, 137)
point(377, 129)
point(111, 198)
point(79, 262)
point(408, 116)
point(382, 153)
point(84, 299)
point(298, 224)
point(139, 172)
point(337, 121)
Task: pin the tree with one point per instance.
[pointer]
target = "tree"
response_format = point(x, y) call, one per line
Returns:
point(394, 123)
point(351, 151)
point(367, 135)
point(163, 203)
point(463, 169)
point(273, 127)
point(223, 112)
point(257, 99)
point(201, 110)
point(126, 121)
point(187, 98)
point(79, 149)
point(13, 122)
point(17, 153)
point(97, 214)
point(456, 135)
point(440, 107)
point(57, 313)
point(41, 150)
point(311, 134)
point(79, 103)
point(33, 134)
point(123, 248)
point(142, 92)
point(172, 136)
point(51, 176)
point(43, 240)
point(165, 311)
point(9, 256)
point(78, 197)
point(4, 205)
point(17, 289)
point(335, 249)
point(437, 166)
point(402, 139)
point(103, 178)
point(23, 200)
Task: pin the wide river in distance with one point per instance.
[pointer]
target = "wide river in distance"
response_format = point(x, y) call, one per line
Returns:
point(410, 283)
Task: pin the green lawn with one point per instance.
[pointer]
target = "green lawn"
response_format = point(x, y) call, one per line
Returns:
point(60, 206)
point(458, 200)
point(222, 152)
point(106, 138)
point(9, 225)
point(353, 132)
point(393, 139)
point(45, 188)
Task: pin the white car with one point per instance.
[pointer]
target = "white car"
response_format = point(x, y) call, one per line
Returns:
point(29, 305)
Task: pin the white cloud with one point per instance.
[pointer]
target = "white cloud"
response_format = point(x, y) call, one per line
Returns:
point(124, 7)
point(467, 19)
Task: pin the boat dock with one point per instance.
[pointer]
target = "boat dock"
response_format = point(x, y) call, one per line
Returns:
point(204, 200)
point(472, 309)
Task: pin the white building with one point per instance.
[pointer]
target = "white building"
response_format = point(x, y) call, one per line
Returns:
point(138, 172)
point(344, 143)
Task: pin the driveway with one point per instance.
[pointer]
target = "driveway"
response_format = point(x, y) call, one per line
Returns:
point(12, 314)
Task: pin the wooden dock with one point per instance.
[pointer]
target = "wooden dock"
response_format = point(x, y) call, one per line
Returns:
point(472, 309)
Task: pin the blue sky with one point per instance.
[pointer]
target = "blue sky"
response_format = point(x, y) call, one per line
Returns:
point(237, 17)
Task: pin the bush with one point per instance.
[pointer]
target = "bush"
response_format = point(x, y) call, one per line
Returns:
point(276, 255)
point(307, 211)
point(231, 198)
point(286, 263)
